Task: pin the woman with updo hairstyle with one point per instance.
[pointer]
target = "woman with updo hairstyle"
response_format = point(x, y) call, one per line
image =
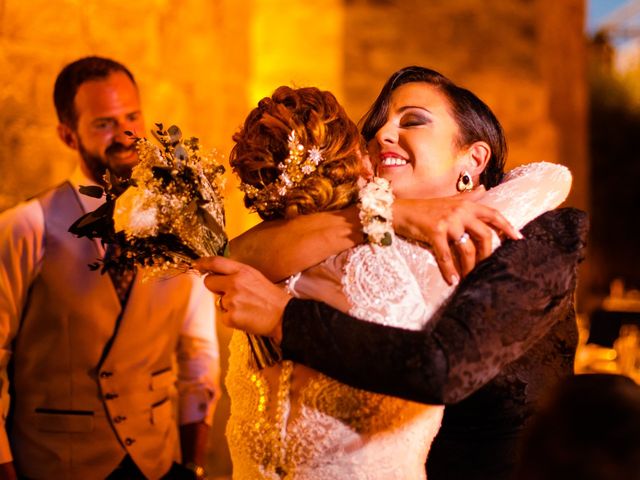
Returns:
point(328, 425)
point(363, 316)
point(318, 120)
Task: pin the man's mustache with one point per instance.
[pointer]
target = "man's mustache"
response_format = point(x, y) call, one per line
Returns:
point(117, 147)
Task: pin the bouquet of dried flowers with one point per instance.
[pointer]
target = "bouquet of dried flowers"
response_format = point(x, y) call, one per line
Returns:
point(169, 213)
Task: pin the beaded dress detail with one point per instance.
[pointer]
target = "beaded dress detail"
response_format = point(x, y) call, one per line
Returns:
point(291, 422)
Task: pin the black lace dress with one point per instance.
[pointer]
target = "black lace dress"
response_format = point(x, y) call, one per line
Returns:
point(506, 335)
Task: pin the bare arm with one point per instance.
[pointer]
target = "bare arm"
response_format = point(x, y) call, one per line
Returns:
point(304, 241)
point(307, 240)
point(298, 243)
point(504, 307)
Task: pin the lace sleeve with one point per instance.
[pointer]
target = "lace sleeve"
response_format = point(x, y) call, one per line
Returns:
point(509, 302)
point(370, 282)
point(528, 191)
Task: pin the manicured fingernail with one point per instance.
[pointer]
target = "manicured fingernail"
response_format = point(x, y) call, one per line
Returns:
point(455, 280)
point(519, 235)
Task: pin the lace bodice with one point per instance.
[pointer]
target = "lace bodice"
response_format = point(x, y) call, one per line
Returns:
point(291, 422)
point(323, 430)
point(505, 336)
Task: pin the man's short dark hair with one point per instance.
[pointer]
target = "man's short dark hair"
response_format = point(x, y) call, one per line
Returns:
point(74, 75)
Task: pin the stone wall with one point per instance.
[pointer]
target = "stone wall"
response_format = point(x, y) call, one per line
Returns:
point(189, 58)
point(525, 58)
point(202, 64)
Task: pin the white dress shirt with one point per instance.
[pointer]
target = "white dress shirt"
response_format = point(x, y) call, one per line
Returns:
point(22, 250)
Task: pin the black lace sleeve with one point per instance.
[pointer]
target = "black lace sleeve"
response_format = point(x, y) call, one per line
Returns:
point(502, 308)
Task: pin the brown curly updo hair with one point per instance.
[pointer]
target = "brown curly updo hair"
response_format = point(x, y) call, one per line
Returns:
point(319, 121)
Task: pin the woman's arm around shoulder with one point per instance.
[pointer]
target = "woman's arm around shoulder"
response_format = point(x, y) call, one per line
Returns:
point(280, 248)
point(481, 329)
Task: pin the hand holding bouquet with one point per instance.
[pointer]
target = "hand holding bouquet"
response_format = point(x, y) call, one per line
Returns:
point(168, 214)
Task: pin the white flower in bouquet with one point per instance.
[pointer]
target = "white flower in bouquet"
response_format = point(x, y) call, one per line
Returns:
point(170, 213)
point(134, 214)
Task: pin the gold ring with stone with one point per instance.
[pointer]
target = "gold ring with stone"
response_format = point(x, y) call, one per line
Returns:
point(463, 239)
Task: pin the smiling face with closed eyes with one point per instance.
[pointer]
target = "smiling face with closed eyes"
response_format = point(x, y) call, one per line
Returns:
point(417, 149)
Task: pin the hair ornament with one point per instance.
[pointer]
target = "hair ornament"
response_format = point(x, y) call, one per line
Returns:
point(299, 163)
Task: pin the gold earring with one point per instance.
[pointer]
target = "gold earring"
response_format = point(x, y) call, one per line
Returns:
point(465, 182)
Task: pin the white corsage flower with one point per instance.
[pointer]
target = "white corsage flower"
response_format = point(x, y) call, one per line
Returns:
point(375, 202)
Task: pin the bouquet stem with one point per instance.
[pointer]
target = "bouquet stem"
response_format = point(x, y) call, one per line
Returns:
point(264, 352)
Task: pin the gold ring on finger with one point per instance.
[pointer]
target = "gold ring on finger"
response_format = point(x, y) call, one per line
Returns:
point(219, 305)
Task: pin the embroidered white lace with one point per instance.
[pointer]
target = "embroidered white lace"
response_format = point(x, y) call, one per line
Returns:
point(290, 422)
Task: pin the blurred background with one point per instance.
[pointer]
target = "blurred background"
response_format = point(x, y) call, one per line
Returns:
point(563, 77)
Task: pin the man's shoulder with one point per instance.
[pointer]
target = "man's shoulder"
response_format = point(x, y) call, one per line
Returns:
point(32, 202)
point(28, 215)
point(22, 218)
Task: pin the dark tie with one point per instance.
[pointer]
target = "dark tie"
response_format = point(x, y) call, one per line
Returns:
point(121, 278)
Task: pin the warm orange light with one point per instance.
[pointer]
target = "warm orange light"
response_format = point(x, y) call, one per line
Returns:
point(297, 44)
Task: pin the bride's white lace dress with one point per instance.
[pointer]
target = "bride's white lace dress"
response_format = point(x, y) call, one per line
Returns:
point(291, 422)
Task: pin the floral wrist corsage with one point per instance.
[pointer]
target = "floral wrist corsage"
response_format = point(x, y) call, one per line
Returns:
point(375, 200)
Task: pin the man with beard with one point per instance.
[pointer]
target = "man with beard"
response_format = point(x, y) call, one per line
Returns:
point(102, 371)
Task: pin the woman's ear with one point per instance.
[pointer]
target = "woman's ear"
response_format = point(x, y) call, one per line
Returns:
point(477, 158)
point(68, 136)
